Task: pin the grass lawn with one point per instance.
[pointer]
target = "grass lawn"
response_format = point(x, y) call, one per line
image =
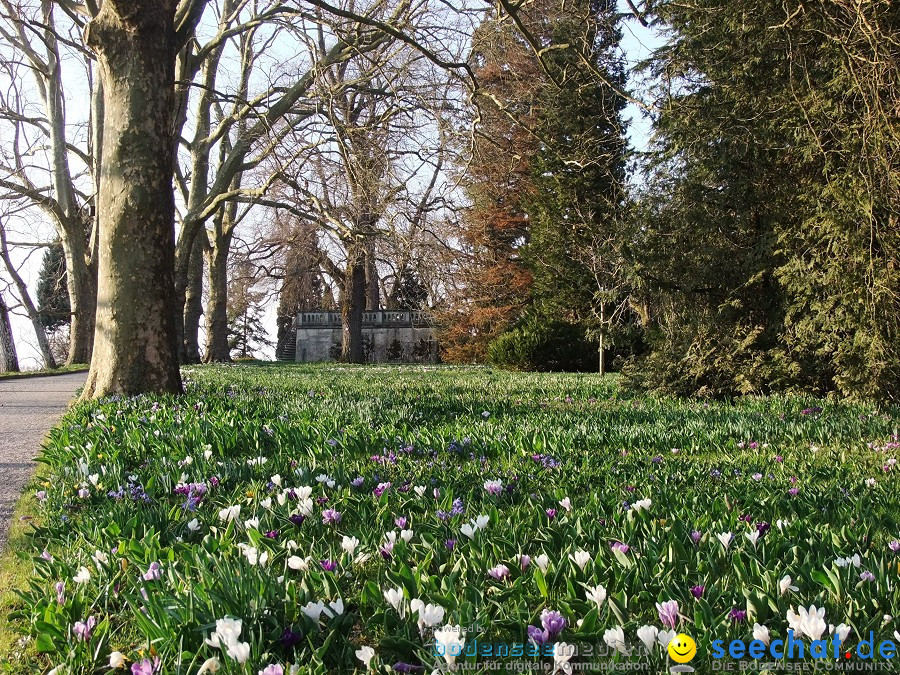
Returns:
point(74, 368)
point(284, 515)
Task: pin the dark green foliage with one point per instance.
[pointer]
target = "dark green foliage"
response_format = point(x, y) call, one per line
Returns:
point(544, 344)
point(52, 294)
point(768, 234)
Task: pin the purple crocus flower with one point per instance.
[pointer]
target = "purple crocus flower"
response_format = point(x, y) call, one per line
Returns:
point(84, 629)
point(762, 527)
point(793, 492)
point(153, 572)
point(60, 592)
point(697, 591)
point(387, 550)
point(668, 613)
point(84, 493)
point(331, 517)
point(272, 534)
point(696, 535)
point(402, 667)
point(356, 482)
point(894, 545)
point(297, 519)
point(867, 576)
point(524, 561)
point(499, 572)
point(536, 635)
point(145, 666)
point(381, 489)
point(321, 500)
point(328, 565)
point(737, 615)
point(553, 623)
point(400, 522)
point(450, 543)
point(289, 638)
point(619, 546)
point(551, 513)
point(779, 459)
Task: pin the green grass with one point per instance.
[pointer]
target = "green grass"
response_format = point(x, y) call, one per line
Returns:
point(74, 368)
point(128, 477)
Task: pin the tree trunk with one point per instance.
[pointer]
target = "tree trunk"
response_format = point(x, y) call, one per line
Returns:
point(353, 301)
point(602, 368)
point(193, 303)
point(9, 360)
point(373, 292)
point(135, 347)
point(81, 284)
point(217, 306)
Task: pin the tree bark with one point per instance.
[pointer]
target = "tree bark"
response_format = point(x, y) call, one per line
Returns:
point(217, 307)
point(193, 303)
point(81, 282)
point(373, 290)
point(9, 360)
point(353, 302)
point(135, 347)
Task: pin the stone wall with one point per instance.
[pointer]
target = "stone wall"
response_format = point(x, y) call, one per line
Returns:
point(387, 337)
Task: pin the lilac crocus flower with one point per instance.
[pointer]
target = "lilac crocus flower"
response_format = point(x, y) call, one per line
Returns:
point(328, 565)
point(793, 492)
point(536, 635)
point(83, 630)
point(499, 572)
point(381, 489)
point(697, 591)
point(867, 576)
point(551, 513)
point(553, 623)
point(83, 493)
point(153, 572)
point(696, 535)
point(272, 669)
point(356, 482)
point(400, 522)
point(524, 561)
point(60, 592)
point(894, 545)
point(619, 546)
point(737, 615)
point(668, 613)
point(41, 495)
point(331, 517)
point(387, 550)
point(145, 667)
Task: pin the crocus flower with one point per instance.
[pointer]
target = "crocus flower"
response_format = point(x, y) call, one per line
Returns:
point(493, 487)
point(153, 572)
point(82, 576)
point(116, 660)
point(542, 561)
point(647, 635)
point(697, 591)
point(810, 622)
point(551, 513)
point(387, 550)
point(696, 535)
point(349, 544)
point(553, 623)
point(725, 539)
point(272, 669)
point(145, 666)
point(400, 522)
point(84, 629)
point(619, 546)
point(562, 653)
point(580, 558)
point(524, 560)
point(380, 489)
point(499, 572)
point(785, 585)
point(395, 599)
point(566, 503)
point(615, 638)
point(737, 615)
point(328, 565)
point(60, 592)
point(668, 613)
point(331, 517)
point(450, 543)
point(365, 654)
point(449, 641)
point(894, 545)
point(535, 635)
point(289, 638)
point(867, 576)
point(761, 633)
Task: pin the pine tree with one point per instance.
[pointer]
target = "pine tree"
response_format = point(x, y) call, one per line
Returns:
point(52, 292)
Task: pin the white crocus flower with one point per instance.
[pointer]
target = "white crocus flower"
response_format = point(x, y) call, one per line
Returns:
point(394, 597)
point(566, 503)
point(349, 544)
point(313, 610)
point(194, 525)
point(251, 523)
point(304, 492)
point(116, 660)
point(664, 637)
point(295, 562)
point(615, 638)
point(419, 490)
point(449, 642)
point(725, 539)
point(82, 576)
point(562, 653)
point(542, 561)
point(276, 479)
point(211, 665)
point(841, 630)
point(227, 632)
point(468, 530)
point(335, 608)
point(597, 594)
point(647, 635)
point(753, 537)
point(305, 507)
point(810, 622)
point(785, 585)
point(580, 558)
point(365, 654)
point(761, 633)
point(429, 615)
point(230, 513)
point(481, 522)
point(406, 535)
point(642, 505)
point(266, 503)
point(239, 651)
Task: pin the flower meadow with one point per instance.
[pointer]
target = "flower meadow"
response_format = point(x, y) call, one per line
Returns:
point(317, 519)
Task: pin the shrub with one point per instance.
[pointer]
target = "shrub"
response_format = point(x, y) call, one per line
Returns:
point(544, 344)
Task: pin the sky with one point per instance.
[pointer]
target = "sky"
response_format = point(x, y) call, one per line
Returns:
point(637, 43)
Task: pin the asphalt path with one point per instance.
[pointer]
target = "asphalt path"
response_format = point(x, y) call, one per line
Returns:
point(29, 407)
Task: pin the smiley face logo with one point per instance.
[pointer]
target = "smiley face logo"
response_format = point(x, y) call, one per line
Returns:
point(682, 648)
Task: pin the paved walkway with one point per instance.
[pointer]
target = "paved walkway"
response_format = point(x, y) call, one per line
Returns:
point(28, 408)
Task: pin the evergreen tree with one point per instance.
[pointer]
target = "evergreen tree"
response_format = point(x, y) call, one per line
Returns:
point(52, 293)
